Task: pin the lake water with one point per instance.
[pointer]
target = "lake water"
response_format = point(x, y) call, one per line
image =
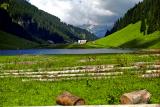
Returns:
point(62, 51)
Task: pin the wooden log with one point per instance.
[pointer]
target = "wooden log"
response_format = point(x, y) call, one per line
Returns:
point(136, 97)
point(67, 99)
point(152, 75)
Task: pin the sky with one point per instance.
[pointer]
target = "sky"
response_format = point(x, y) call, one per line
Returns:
point(79, 12)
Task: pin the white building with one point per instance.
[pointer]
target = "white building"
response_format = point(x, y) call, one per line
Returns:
point(81, 42)
point(50, 41)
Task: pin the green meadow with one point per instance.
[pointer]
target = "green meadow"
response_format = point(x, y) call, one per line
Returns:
point(57, 62)
point(14, 91)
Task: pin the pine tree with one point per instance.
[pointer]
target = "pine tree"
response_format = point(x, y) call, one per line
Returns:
point(107, 33)
point(143, 26)
point(150, 29)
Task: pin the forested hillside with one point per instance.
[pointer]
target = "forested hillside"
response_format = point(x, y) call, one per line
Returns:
point(128, 37)
point(138, 28)
point(147, 11)
point(9, 41)
point(22, 19)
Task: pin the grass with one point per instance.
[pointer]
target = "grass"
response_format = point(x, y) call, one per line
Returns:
point(129, 37)
point(8, 41)
point(15, 92)
point(56, 62)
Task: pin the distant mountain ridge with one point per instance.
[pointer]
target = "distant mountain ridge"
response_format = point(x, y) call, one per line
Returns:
point(24, 20)
point(98, 30)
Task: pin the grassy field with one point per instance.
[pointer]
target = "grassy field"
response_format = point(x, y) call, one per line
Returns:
point(129, 37)
point(8, 41)
point(56, 62)
point(24, 91)
point(14, 92)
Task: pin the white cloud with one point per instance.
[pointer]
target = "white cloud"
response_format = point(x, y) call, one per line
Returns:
point(78, 12)
point(56, 7)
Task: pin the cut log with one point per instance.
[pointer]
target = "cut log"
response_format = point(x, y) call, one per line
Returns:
point(67, 99)
point(136, 97)
point(152, 75)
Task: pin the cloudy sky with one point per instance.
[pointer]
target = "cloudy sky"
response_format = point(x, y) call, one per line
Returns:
point(78, 12)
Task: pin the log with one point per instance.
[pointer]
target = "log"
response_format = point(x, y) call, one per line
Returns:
point(136, 97)
point(152, 75)
point(67, 99)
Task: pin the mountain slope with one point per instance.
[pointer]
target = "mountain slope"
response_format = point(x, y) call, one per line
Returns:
point(9, 41)
point(128, 37)
point(146, 11)
point(38, 25)
point(138, 28)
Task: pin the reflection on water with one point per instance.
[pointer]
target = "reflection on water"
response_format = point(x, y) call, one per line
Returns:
point(63, 51)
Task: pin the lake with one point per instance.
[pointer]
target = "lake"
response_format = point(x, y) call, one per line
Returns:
point(63, 51)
